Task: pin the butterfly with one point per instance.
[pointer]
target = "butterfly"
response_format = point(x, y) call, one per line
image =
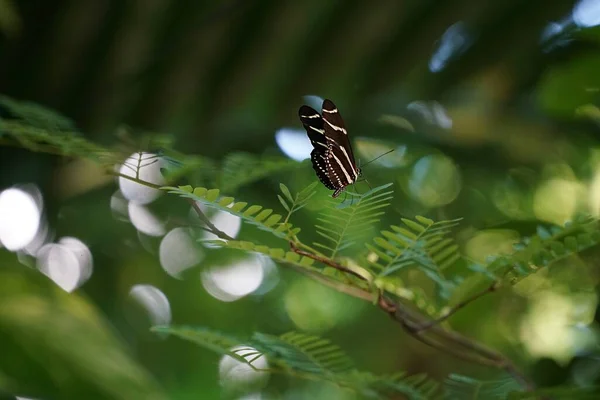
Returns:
point(332, 157)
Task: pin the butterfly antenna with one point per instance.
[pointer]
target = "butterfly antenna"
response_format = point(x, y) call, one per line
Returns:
point(379, 156)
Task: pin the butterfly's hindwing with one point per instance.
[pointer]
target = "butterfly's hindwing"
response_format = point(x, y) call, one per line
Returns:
point(319, 164)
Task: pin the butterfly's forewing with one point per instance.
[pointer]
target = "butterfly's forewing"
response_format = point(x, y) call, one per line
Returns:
point(313, 123)
point(343, 169)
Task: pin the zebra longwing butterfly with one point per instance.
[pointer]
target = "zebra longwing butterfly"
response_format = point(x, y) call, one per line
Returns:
point(332, 157)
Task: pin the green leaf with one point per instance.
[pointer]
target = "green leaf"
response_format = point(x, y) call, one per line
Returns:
point(310, 357)
point(211, 195)
point(343, 227)
point(286, 192)
point(50, 330)
point(283, 203)
point(254, 214)
point(418, 228)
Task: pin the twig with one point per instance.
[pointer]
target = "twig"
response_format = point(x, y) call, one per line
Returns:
point(210, 225)
point(457, 307)
point(136, 180)
point(326, 261)
point(414, 324)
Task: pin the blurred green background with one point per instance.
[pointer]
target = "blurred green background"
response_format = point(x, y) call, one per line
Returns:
point(492, 107)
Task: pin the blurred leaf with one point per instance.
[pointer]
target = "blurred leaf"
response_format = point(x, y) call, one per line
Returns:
point(567, 87)
point(310, 357)
point(56, 345)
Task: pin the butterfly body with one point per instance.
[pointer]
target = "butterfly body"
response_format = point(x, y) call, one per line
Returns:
point(332, 157)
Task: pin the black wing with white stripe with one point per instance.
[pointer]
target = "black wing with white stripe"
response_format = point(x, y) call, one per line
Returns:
point(342, 158)
point(332, 157)
point(313, 123)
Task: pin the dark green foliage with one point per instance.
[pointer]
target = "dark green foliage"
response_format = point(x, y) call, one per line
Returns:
point(240, 169)
point(347, 238)
point(422, 244)
point(463, 387)
point(310, 357)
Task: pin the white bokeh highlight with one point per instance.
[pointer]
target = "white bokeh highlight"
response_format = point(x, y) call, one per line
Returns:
point(225, 222)
point(144, 220)
point(294, 143)
point(146, 167)
point(68, 263)
point(433, 112)
point(178, 251)
point(235, 280)
point(154, 301)
point(586, 13)
point(236, 375)
point(453, 42)
point(19, 218)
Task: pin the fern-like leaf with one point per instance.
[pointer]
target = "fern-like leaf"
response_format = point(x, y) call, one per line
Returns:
point(559, 393)
point(464, 387)
point(36, 115)
point(420, 243)
point(549, 245)
point(310, 357)
point(297, 202)
point(276, 254)
point(303, 352)
point(256, 215)
point(342, 227)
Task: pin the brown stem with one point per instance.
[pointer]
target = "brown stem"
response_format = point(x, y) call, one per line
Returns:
point(326, 261)
point(447, 341)
point(210, 225)
point(457, 307)
point(136, 180)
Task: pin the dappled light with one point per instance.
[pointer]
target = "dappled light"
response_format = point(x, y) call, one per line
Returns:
point(552, 326)
point(238, 376)
point(586, 13)
point(453, 42)
point(293, 143)
point(435, 181)
point(178, 252)
point(68, 263)
point(154, 302)
point(225, 222)
point(321, 311)
point(432, 112)
point(371, 150)
point(556, 200)
point(145, 167)
point(235, 280)
point(19, 218)
point(144, 220)
point(300, 200)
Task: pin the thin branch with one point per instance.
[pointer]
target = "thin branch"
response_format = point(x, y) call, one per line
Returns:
point(413, 324)
point(493, 287)
point(136, 180)
point(210, 225)
point(326, 261)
